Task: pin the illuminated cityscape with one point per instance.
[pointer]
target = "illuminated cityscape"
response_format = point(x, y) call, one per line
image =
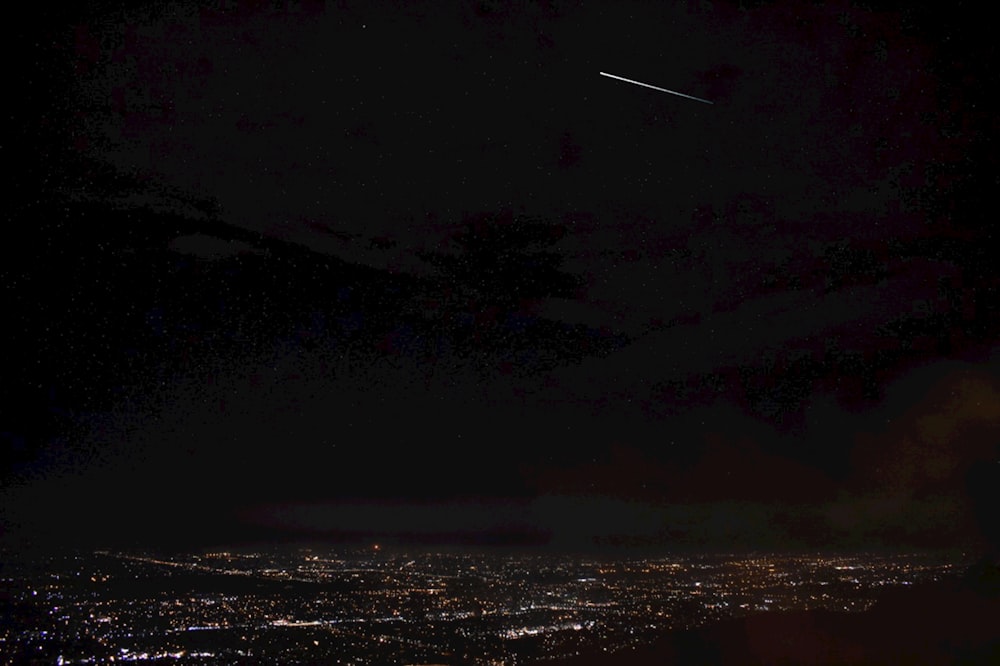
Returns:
point(418, 334)
point(371, 606)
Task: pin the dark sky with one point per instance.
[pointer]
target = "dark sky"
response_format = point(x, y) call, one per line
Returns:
point(417, 272)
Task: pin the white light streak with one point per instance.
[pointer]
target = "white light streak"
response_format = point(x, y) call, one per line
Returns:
point(646, 85)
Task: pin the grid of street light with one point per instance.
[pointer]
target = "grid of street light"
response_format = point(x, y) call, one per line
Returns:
point(369, 606)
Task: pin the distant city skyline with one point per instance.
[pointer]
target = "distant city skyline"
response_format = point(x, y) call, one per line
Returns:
point(421, 606)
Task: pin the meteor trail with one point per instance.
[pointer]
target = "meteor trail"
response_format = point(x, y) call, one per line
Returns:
point(640, 83)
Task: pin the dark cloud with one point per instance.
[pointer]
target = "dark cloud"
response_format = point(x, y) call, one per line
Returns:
point(418, 254)
point(208, 247)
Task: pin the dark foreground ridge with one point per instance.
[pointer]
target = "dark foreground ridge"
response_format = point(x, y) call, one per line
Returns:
point(946, 622)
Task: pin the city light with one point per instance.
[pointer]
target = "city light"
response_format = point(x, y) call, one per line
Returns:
point(420, 607)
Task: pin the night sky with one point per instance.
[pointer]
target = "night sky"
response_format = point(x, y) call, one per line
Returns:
point(416, 273)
